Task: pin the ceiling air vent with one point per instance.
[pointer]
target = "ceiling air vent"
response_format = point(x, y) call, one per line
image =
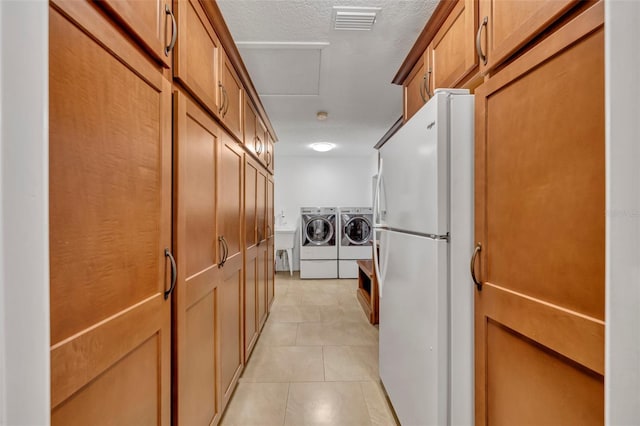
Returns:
point(354, 18)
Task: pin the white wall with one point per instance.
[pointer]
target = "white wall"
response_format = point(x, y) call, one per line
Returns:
point(622, 353)
point(320, 181)
point(24, 232)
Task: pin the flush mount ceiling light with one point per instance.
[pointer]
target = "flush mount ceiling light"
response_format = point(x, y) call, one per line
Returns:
point(322, 115)
point(322, 146)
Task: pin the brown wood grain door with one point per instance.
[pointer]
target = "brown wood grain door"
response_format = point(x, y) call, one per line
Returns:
point(270, 243)
point(250, 128)
point(511, 24)
point(540, 211)
point(197, 295)
point(230, 218)
point(197, 54)
point(415, 94)
point(452, 51)
point(251, 257)
point(262, 240)
point(151, 21)
point(232, 93)
point(110, 223)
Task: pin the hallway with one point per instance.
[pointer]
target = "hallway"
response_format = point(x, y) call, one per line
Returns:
point(316, 362)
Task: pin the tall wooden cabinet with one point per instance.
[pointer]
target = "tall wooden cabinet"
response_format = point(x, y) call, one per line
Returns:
point(197, 298)
point(110, 224)
point(540, 198)
point(159, 247)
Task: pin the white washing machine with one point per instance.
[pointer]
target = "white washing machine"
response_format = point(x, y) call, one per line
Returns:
point(356, 233)
point(318, 242)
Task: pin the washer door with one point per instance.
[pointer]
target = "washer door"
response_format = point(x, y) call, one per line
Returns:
point(357, 230)
point(318, 231)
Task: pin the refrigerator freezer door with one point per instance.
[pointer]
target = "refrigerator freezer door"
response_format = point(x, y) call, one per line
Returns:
point(414, 185)
point(414, 327)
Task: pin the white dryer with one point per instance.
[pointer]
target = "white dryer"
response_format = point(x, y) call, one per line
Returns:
point(356, 233)
point(318, 242)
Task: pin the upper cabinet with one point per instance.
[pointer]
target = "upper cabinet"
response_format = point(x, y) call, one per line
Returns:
point(505, 26)
point(198, 55)
point(416, 88)
point(451, 54)
point(151, 22)
point(230, 110)
point(269, 153)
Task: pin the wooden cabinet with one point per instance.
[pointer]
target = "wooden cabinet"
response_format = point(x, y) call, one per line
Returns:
point(250, 127)
point(152, 22)
point(110, 224)
point(416, 88)
point(198, 55)
point(251, 326)
point(540, 198)
point(505, 26)
point(269, 153)
point(231, 92)
point(198, 254)
point(452, 54)
point(230, 194)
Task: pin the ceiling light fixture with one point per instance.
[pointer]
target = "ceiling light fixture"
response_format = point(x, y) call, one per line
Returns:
point(322, 115)
point(322, 146)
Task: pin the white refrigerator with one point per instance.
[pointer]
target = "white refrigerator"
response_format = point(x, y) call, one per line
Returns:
point(423, 214)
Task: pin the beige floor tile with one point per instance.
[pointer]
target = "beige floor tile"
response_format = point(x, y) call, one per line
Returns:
point(379, 410)
point(278, 333)
point(347, 363)
point(261, 404)
point(336, 333)
point(284, 364)
point(295, 313)
point(326, 403)
point(342, 314)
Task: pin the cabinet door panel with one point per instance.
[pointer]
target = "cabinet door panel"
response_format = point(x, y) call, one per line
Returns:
point(232, 91)
point(231, 328)
point(414, 90)
point(261, 205)
point(110, 222)
point(511, 24)
point(148, 21)
point(250, 128)
point(262, 284)
point(270, 272)
point(198, 54)
point(540, 194)
point(197, 251)
point(452, 51)
point(250, 301)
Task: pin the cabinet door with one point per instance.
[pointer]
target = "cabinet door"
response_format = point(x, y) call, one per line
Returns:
point(250, 128)
point(270, 272)
point(197, 54)
point(262, 137)
point(197, 295)
point(110, 223)
point(415, 89)
point(505, 26)
point(269, 154)
point(251, 257)
point(452, 51)
point(230, 184)
point(262, 283)
point(151, 21)
point(540, 198)
point(261, 205)
point(232, 98)
point(270, 217)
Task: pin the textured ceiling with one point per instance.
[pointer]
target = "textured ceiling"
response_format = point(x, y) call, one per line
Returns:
point(300, 65)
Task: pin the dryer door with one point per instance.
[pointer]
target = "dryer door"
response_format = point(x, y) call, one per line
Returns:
point(356, 231)
point(318, 231)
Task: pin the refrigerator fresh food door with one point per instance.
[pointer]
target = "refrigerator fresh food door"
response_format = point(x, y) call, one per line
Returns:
point(414, 326)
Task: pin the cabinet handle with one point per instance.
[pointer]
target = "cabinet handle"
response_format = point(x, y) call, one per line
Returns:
point(174, 273)
point(259, 146)
point(426, 83)
point(481, 55)
point(424, 77)
point(225, 251)
point(222, 110)
point(174, 30)
point(472, 266)
point(268, 158)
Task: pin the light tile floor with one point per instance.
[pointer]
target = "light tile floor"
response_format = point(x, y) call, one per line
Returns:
point(316, 362)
